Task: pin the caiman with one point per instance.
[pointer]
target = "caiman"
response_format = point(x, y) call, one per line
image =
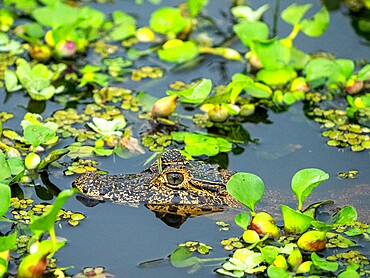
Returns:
point(172, 184)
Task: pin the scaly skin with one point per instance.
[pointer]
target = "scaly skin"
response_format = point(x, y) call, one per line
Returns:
point(175, 185)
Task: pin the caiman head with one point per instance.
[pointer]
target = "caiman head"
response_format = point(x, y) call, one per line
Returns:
point(172, 184)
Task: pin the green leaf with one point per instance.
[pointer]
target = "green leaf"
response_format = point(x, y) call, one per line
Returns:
point(346, 215)
point(182, 257)
point(277, 272)
point(55, 15)
point(304, 181)
point(276, 77)
point(8, 242)
point(5, 171)
point(323, 264)
point(46, 222)
point(199, 144)
point(16, 165)
point(179, 52)
point(273, 54)
point(294, 13)
point(243, 12)
point(125, 26)
point(243, 219)
point(5, 195)
point(195, 6)
point(295, 222)
point(167, 20)
point(258, 90)
point(196, 94)
point(249, 32)
point(318, 25)
point(37, 135)
point(76, 150)
point(364, 73)
point(349, 274)
point(51, 157)
point(11, 81)
point(247, 188)
point(269, 253)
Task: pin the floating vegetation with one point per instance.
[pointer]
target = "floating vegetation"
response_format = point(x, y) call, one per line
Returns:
point(200, 247)
point(80, 61)
point(351, 174)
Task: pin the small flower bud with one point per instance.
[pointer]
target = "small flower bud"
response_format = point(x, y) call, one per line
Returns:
point(254, 60)
point(164, 107)
point(65, 49)
point(280, 262)
point(145, 34)
point(263, 224)
point(313, 241)
point(250, 236)
point(304, 267)
point(40, 52)
point(354, 86)
point(299, 84)
point(32, 161)
point(218, 114)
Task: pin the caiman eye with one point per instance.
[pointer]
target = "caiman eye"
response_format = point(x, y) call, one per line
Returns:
point(174, 178)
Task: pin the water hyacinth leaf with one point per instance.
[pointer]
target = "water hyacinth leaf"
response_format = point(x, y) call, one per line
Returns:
point(243, 219)
point(167, 20)
point(195, 6)
point(295, 222)
point(294, 13)
point(249, 32)
point(8, 242)
point(182, 257)
point(317, 26)
point(5, 171)
point(125, 26)
point(5, 194)
point(236, 273)
point(346, 67)
point(16, 165)
point(349, 273)
point(258, 90)
point(51, 157)
point(11, 81)
point(199, 144)
point(269, 253)
point(364, 73)
point(276, 77)
point(104, 127)
point(244, 12)
point(354, 232)
point(77, 150)
point(304, 181)
point(196, 94)
point(277, 272)
point(55, 15)
point(321, 70)
point(44, 223)
point(247, 188)
point(146, 101)
point(346, 215)
point(37, 135)
point(321, 226)
point(324, 264)
point(178, 51)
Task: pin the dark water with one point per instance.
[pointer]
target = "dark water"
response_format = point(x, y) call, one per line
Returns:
point(120, 237)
